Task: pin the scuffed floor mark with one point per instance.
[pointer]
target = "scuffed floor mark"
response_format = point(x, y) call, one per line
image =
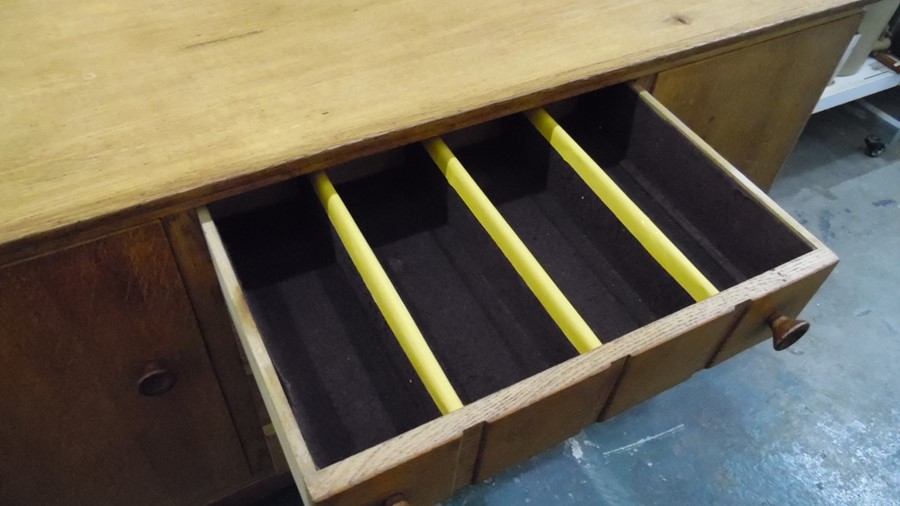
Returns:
point(884, 203)
point(825, 224)
point(830, 468)
point(825, 192)
point(575, 449)
point(639, 442)
point(588, 442)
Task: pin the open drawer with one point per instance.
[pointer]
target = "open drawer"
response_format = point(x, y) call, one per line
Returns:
point(356, 423)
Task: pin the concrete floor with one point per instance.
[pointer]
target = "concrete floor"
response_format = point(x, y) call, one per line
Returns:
point(816, 424)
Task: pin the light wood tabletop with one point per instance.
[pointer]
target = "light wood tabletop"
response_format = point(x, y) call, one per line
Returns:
point(114, 112)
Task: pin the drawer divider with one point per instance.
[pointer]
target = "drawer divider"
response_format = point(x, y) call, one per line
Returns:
point(526, 265)
point(386, 298)
point(657, 244)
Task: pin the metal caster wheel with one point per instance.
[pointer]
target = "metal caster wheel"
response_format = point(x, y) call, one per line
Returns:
point(874, 146)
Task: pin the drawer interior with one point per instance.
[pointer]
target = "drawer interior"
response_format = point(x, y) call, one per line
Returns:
point(712, 218)
point(348, 381)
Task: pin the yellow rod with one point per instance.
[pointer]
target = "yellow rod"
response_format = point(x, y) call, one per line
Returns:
point(639, 224)
point(557, 305)
point(386, 297)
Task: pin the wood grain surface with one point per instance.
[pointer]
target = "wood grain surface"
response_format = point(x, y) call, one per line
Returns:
point(788, 299)
point(661, 366)
point(511, 438)
point(113, 112)
point(77, 329)
point(751, 104)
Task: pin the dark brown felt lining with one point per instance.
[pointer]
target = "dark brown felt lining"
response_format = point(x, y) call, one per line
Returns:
point(348, 381)
point(332, 350)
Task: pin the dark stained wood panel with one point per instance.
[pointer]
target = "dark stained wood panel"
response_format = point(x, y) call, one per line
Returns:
point(78, 328)
point(192, 257)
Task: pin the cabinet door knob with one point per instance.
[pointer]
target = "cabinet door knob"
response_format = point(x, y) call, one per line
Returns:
point(156, 379)
point(786, 331)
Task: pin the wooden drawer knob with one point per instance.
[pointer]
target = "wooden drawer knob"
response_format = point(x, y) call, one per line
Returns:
point(786, 331)
point(156, 379)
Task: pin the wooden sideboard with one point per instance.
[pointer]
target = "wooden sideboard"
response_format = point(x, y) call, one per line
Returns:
point(123, 380)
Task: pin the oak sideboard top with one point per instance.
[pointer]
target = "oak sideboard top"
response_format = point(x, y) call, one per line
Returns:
point(114, 112)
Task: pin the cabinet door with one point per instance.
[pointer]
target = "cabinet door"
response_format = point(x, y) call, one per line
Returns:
point(79, 330)
point(751, 104)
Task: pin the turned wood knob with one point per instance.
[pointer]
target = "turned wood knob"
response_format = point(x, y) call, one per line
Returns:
point(786, 331)
point(156, 379)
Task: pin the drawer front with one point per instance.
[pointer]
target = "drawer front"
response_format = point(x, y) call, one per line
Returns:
point(659, 366)
point(91, 339)
point(465, 280)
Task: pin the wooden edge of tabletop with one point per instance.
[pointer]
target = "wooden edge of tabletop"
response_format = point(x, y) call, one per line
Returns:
point(67, 234)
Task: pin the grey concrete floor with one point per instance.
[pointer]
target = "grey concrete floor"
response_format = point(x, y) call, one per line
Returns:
point(816, 424)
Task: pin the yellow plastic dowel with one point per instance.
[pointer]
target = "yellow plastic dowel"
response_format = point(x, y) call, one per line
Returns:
point(386, 297)
point(641, 227)
point(557, 305)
